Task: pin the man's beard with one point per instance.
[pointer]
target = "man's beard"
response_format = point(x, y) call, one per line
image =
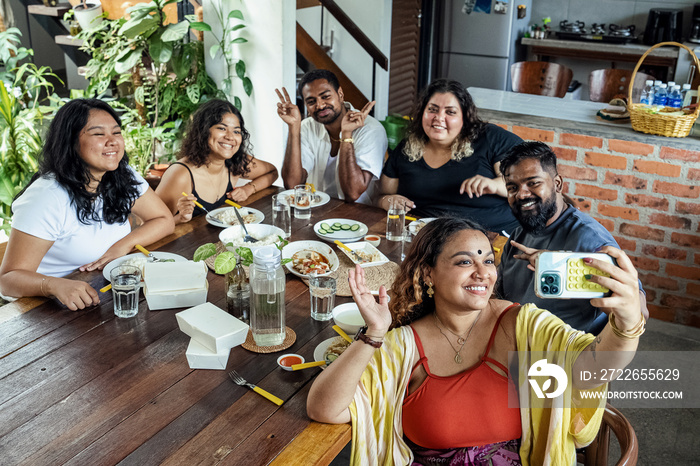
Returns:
point(534, 221)
point(328, 119)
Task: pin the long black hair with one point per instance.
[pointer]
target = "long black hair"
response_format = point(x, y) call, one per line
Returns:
point(60, 159)
point(195, 146)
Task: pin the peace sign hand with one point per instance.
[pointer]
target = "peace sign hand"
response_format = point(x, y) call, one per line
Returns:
point(289, 112)
point(354, 119)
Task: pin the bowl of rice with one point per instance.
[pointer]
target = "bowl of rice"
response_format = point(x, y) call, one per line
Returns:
point(265, 234)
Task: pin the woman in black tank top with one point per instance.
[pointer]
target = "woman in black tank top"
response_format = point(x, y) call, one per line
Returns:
point(214, 155)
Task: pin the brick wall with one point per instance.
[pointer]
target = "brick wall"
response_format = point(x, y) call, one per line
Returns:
point(648, 197)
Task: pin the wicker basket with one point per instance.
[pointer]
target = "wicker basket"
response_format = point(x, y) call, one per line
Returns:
point(658, 123)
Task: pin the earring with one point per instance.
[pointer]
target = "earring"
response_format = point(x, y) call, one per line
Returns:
point(430, 290)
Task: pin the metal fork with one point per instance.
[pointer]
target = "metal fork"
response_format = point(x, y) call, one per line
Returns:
point(242, 382)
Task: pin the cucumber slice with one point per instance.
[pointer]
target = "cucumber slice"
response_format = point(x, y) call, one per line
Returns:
point(345, 226)
point(337, 224)
point(324, 231)
point(325, 226)
point(336, 227)
point(355, 227)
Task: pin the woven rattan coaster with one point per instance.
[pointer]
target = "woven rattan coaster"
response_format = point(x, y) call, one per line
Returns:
point(289, 339)
point(375, 276)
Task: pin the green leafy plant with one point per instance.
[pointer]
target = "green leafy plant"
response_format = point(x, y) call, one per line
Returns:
point(226, 261)
point(161, 70)
point(225, 45)
point(26, 106)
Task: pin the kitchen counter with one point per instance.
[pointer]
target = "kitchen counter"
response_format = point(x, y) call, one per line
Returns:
point(564, 114)
point(662, 56)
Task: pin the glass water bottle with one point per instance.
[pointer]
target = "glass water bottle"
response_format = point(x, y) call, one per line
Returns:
point(267, 296)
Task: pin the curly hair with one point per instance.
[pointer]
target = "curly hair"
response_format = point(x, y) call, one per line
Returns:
point(60, 159)
point(409, 298)
point(195, 147)
point(472, 126)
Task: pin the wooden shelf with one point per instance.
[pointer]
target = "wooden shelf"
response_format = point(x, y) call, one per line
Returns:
point(56, 11)
point(67, 39)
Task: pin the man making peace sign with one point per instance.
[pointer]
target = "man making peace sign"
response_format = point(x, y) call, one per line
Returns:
point(338, 148)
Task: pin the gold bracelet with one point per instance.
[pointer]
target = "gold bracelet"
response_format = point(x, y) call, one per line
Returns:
point(43, 293)
point(350, 140)
point(631, 334)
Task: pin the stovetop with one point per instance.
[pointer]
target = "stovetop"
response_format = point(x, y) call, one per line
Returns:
point(596, 32)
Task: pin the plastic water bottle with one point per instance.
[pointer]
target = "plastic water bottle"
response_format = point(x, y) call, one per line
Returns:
point(670, 85)
point(675, 99)
point(661, 96)
point(684, 92)
point(648, 93)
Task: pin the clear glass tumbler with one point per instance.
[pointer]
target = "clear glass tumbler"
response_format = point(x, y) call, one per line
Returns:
point(281, 214)
point(302, 201)
point(395, 219)
point(126, 283)
point(322, 291)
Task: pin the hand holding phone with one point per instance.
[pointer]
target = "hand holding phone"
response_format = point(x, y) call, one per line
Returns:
point(561, 274)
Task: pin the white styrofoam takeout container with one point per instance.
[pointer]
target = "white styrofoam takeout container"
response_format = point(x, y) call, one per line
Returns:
point(169, 285)
point(199, 357)
point(212, 327)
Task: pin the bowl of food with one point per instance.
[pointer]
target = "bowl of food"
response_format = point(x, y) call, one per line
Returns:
point(310, 258)
point(232, 237)
point(329, 350)
point(347, 316)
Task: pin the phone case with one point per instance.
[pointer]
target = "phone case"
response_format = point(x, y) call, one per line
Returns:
point(560, 275)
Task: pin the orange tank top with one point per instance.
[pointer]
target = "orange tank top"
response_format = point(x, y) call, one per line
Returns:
point(463, 410)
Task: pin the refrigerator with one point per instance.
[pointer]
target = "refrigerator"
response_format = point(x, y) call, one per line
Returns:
point(478, 48)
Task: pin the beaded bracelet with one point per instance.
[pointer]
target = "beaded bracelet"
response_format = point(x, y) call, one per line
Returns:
point(631, 334)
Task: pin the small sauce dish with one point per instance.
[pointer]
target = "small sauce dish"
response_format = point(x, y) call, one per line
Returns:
point(286, 361)
point(374, 240)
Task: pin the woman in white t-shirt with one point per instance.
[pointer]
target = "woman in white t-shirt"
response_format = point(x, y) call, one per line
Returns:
point(74, 214)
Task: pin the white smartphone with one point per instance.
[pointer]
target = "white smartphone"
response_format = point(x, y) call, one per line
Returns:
point(560, 275)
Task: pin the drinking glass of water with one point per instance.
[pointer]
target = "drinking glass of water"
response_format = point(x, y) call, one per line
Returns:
point(126, 283)
point(302, 201)
point(322, 290)
point(395, 218)
point(281, 214)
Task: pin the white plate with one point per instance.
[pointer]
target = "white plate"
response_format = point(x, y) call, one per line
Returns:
point(415, 226)
point(346, 236)
point(317, 246)
point(213, 219)
point(319, 198)
point(367, 248)
point(158, 254)
point(322, 347)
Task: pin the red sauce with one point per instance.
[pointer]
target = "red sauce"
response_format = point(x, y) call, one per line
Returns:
point(371, 238)
point(289, 361)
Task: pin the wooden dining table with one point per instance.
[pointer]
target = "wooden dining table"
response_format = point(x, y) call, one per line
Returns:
point(88, 388)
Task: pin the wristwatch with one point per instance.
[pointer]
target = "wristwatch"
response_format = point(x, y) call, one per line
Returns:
point(361, 335)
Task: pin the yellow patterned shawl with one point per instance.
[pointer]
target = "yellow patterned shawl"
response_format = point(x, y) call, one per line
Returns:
point(549, 436)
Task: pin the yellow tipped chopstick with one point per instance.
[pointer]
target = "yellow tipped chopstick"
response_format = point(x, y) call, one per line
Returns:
point(306, 365)
point(195, 202)
point(106, 288)
point(342, 333)
point(341, 245)
point(143, 250)
point(230, 202)
point(412, 219)
point(312, 187)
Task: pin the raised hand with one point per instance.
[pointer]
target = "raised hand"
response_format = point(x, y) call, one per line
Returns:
point(376, 314)
point(354, 119)
point(286, 109)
